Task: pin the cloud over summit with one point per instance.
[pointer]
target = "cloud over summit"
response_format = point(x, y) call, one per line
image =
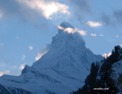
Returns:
point(118, 15)
point(47, 9)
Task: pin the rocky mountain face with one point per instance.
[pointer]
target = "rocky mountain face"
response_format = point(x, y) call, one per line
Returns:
point(12, 90)
point(60, 71)
point(106, 76)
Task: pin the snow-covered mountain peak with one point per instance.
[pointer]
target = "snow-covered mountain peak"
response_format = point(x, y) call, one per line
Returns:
point(65, 65)
point(67, 38)
point(67, 41)
point(66, 49)
point(65, 27)
point(64, 46)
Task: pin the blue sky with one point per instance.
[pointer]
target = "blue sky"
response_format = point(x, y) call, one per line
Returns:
point(27, 27)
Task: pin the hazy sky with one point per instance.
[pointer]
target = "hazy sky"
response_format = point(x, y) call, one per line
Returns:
point(27, 27)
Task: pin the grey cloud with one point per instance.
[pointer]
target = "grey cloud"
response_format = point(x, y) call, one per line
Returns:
point(83, 5)
point(79, 9)
point(118, 16)
point(9, 7)
point(112, 20)
point(13, 8)
point(108, 20)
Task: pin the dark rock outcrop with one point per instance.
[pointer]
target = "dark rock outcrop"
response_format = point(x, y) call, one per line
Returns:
point(101, 79)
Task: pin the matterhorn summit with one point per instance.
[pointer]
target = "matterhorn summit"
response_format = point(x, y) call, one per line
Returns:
point(61, 70)
point(66, 25)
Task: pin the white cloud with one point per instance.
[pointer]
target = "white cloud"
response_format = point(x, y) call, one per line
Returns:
point(73, 30)
point(47, 9)
point(68, 30)
point(94, 24)
point(93, 34)
point(106, 55)
point(82, 32)
point(4, 72)
point(22, 66)
point(30, 48)
point(39, 55)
